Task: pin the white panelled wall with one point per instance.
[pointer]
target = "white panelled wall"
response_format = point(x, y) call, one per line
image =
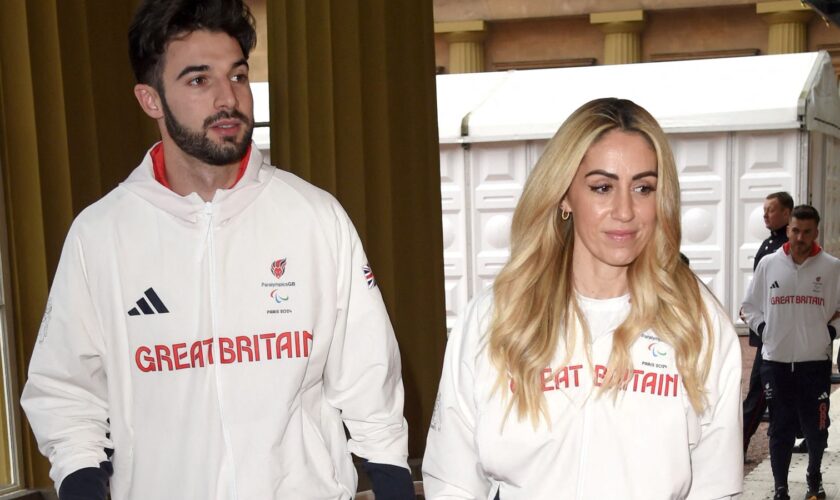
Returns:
point(825, 188)
point(703, 167)
point(480, 187)
point(764, 163)
point(724, 178)
point(456, 252)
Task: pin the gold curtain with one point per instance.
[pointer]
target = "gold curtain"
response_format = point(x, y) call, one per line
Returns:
point(71, 130)
point(353, 111)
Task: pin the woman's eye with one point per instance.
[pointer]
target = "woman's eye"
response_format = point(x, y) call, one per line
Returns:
point(644, 189)
point(600, 188)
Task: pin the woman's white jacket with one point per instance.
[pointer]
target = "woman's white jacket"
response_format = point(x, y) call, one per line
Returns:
point(643, 443)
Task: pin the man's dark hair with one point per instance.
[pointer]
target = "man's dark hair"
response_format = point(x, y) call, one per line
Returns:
point(806, 212)
point(158, 22)
point(785, 199)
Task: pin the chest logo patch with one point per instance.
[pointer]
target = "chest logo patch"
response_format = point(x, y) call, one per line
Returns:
point(657, 350)
point(818, 285)
point(278, 267)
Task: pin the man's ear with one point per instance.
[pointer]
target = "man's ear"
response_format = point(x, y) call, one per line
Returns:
point(149, 100)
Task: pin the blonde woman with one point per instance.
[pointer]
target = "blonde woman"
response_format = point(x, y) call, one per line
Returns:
point(598, 366)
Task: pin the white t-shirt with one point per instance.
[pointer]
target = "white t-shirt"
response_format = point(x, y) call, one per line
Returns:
point(646, 444)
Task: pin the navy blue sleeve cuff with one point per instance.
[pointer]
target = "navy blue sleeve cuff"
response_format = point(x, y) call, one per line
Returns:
point(90, 483)
point(389, 481)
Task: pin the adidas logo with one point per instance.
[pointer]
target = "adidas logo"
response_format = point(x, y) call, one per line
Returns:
point(774, 285)
point(144, 306)
point(824, 395)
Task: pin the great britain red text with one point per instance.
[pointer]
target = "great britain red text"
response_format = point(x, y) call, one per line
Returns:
point(641, 381)
point(240, 349)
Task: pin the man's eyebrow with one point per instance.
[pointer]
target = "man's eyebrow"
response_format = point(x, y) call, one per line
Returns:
point(649, 173)
point(204, 67)
point(192, 69)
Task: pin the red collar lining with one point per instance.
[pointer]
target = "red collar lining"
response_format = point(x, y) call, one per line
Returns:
point(815, 249)
point(159, 165)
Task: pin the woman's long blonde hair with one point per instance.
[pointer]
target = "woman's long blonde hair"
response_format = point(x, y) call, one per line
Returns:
point(534, 298)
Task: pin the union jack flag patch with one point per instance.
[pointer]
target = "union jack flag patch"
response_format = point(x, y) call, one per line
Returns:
point(369, 277)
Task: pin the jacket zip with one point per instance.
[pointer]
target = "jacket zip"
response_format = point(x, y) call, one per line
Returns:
point(584, 432)
point(211, 255)
point(583, 455)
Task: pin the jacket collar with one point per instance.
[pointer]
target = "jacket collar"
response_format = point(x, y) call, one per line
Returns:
point(254, 177)
point(778, 233)
point(815, 249)
point(159, 164)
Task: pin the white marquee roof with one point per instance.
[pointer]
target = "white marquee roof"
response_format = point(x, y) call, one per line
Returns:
point(741, 93)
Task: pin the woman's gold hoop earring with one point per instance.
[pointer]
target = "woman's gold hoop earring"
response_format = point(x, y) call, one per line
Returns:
point(564, 214)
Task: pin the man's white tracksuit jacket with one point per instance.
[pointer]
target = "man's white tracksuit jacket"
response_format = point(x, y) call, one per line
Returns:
point(796, 303)
point(217, 347)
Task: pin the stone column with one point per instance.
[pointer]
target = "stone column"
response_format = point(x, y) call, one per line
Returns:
point(622, 39)
point(466, 45)
point(788, 20)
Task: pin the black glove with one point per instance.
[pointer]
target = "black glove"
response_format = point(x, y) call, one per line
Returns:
point(389, 481)
point(90, 483)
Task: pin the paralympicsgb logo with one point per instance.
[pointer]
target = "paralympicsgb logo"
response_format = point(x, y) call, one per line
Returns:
point(278, 267)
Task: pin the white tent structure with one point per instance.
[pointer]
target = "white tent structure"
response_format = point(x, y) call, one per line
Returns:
point(740, 129)
point(261, 116)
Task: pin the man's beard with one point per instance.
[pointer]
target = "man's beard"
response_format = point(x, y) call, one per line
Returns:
point(199, 146)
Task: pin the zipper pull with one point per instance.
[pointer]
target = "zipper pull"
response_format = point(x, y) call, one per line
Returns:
point(208, 214)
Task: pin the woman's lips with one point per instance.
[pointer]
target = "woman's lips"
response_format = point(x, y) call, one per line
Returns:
point(620, 235)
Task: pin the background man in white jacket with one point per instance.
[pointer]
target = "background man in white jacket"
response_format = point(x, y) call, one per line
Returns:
point(213, 326)
point(792, 303)
point(777, 209)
